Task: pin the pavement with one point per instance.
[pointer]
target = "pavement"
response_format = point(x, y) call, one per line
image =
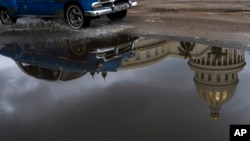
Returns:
point(220, 22)
point(224, 23)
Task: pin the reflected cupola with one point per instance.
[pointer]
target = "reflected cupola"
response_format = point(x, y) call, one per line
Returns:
point(216, 75)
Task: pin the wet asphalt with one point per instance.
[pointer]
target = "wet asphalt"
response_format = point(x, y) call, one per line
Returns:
point(220, 22)
point(214, 22)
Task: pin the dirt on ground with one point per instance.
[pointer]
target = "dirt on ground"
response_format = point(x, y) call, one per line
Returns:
point(227, 21)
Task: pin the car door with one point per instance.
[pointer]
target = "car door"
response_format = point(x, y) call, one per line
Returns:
point(22, 8)
point(39, 7)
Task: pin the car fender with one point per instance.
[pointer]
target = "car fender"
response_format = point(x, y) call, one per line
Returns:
point(87, 4)
point(10, 5)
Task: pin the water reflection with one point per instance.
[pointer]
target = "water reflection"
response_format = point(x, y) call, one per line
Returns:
point(216, 75)
point(153, 91)
point(70, 59)
point(216, 68)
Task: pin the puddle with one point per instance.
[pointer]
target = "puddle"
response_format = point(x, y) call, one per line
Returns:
point(121, 85)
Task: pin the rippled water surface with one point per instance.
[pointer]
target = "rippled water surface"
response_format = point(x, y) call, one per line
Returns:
point(153, 90)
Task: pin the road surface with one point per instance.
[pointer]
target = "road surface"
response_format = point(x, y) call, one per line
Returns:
point(226, 21)
point(215, 22)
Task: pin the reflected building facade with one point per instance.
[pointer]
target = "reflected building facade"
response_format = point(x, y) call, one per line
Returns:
point(147, 52)
point(151, 51)
point(216, 69)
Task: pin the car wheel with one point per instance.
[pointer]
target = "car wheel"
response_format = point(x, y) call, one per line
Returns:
point(77, 48)
point(14, 20)
point(117, 16)
point(5, 17)
point(75, 17)
point(99, 66)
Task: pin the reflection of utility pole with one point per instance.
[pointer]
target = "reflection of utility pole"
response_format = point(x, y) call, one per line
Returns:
point(216, 75)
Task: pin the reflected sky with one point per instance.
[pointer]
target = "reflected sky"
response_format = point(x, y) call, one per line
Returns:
point(156, 102)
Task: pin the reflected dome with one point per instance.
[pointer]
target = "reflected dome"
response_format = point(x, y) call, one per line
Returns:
point(216, 69)
point(216, 75)
point(215, 95)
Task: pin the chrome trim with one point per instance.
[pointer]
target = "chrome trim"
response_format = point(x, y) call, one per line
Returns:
point(118, 51)
point(107, 10)
point(102, 56)
point(102, 50)
point(107, 1)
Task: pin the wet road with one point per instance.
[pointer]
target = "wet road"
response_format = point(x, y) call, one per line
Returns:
point(186, 78)
point(207, 20)
point(211, 21)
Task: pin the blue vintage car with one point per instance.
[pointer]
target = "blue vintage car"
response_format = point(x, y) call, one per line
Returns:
point(78, 13)
point(70, 59)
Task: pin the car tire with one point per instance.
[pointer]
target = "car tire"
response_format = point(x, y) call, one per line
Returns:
point(14, 20)
point(5, 17)
point(78, 49)
point(117, 16)
point(75, 17)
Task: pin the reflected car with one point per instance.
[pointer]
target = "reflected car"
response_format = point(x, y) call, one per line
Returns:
point(70, 59)
point(78, 13)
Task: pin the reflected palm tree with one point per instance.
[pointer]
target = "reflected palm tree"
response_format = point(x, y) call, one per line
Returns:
point(217, 52)
point(185, 49)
